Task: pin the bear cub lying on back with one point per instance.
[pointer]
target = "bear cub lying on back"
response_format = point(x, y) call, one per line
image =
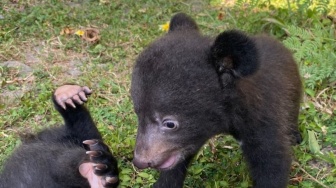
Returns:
point(72, 155)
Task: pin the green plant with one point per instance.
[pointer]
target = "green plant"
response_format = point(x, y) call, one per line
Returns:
point(313, 48)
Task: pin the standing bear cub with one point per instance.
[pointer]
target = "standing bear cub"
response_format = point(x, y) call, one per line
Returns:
point(187, 87)
point(69, 156)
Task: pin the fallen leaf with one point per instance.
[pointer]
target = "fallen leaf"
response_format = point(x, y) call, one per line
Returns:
point(91, 35)
point(297, 179)
point(220, 16)
point(66, 31)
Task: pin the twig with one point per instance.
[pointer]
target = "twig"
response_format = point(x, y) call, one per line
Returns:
point(104, 97)
point(323, 91)
point(134, 168)
point(310, 176)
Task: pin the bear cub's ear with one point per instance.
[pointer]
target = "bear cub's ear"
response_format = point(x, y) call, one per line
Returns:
point(235, 53)
point(181, 21)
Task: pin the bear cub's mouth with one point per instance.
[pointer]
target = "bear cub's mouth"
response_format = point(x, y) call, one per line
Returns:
point(169, 162)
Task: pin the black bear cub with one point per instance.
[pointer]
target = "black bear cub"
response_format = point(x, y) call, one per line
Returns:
point(187, 87)
point(72, 155)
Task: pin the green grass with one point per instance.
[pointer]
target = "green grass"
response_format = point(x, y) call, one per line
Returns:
point(32, 28)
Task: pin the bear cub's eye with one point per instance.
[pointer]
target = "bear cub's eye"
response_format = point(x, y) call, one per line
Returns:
point(170, 124)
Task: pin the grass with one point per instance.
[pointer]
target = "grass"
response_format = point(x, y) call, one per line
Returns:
point(30, 33)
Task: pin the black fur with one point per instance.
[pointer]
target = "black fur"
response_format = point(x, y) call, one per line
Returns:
point(248, 87)
point(52, 157)
point(182, 22)
point(240, 51)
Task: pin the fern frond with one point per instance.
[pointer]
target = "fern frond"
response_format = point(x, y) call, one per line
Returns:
point(315, 50)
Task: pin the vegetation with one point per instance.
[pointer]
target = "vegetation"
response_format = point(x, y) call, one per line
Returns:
point(41, 34)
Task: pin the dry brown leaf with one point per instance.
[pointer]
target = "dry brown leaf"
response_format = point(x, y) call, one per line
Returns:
point(67, 31)
point(91, 35)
